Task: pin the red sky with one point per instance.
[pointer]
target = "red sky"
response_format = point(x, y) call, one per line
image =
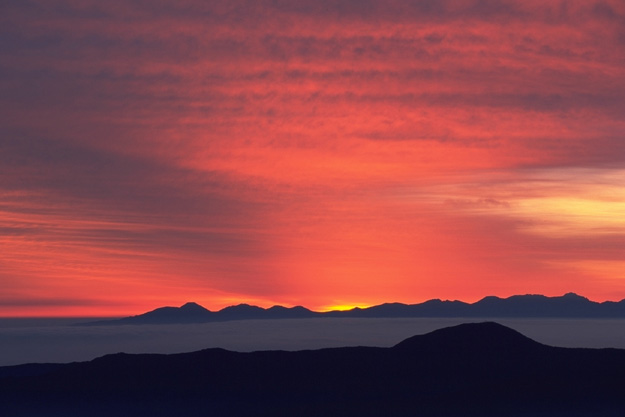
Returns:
point(318, 153)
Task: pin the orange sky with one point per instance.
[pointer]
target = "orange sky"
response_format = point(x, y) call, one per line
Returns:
point(316, 153)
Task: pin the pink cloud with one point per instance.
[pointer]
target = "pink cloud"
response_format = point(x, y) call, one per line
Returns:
point(254, 150)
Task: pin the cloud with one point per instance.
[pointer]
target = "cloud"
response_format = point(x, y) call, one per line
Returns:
point(49, 302)
point(252, 150)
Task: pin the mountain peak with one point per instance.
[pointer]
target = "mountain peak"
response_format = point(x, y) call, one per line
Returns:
point(242, 307)
point(573, 296)
point(486, 336)
point(192, 306)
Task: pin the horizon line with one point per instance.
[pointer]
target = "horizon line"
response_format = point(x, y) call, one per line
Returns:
point(344, 307)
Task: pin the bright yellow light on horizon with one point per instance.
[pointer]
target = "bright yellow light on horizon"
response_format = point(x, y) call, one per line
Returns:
point(344, 307)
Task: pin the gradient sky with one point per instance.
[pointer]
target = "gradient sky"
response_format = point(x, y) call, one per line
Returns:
point(321, 153)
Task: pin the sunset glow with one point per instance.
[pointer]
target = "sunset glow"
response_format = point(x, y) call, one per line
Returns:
point(325, 154)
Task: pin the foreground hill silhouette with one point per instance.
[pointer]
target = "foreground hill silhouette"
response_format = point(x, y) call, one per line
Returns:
point(569, 305)
point(482, 369)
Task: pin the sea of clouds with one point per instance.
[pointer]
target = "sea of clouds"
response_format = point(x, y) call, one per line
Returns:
point(59, 340)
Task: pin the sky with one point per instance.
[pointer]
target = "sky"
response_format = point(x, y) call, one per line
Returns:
point(319, 153)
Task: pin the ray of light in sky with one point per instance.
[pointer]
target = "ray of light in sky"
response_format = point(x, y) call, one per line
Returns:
point(321, 153)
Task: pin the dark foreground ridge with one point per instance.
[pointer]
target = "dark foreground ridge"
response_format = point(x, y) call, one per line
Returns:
point(482, 369)
point(569, 305)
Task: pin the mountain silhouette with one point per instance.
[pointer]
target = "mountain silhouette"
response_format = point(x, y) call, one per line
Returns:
point(187, 313)
point(479, 369)
point(195, 313)
point(484, 337)
point(567, 306)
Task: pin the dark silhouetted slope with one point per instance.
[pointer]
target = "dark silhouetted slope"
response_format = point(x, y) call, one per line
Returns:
point(482, 337)
point(569, 305)
point(28, 369)
point(480, 369)
point(187, 313)
point(195, 313)
point(248, 312)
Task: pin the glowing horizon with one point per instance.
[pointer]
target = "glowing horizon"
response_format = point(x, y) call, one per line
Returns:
point(322, 309)
point(308, 153)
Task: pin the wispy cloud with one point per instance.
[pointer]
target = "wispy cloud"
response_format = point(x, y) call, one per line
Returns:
point(255, 149)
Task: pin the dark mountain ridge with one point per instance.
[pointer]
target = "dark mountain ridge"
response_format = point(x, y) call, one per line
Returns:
point(479, 369)
point(485, 337)
point(567, 306)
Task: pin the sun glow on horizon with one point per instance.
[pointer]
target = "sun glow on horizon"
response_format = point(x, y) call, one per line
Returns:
point(344, 307)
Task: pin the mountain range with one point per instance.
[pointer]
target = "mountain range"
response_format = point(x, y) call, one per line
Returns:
point(476, 369)
point(567, 306)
